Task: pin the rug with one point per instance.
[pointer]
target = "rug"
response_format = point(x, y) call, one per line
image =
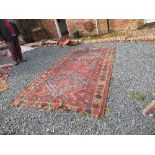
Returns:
point(79, 82)
point(149, 111)
point(48, 42)
point(67, 41)
point(4, 54)
point(4, 73)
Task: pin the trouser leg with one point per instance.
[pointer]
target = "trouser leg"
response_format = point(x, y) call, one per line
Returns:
point(18, 49)
point(12, 49)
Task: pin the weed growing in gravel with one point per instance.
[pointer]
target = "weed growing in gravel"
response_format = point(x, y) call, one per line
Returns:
point(109, 35)
point(108, 109)
point(152, 132)
point(137, 96)
point(93, 130)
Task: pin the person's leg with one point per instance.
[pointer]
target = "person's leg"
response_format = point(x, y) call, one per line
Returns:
point(18, 49)
point(12, 48)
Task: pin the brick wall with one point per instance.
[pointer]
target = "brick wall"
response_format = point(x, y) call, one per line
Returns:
point(50, 27)
point(140, 23)
point(124, 24)
point(102, 26)
point(85, 26)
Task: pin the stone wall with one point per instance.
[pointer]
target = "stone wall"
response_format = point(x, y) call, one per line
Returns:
point(37, 29)
point(86, 27)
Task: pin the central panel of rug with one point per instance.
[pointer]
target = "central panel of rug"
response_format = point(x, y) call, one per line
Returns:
point(78, 82)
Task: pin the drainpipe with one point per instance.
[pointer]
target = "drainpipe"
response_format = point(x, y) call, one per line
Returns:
point(96, 26)
point(108, 25)
point(57, 27)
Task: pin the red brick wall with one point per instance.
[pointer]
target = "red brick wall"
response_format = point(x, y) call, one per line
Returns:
point(50, 27)
point(114, 25)
point(140, 23)
point(124, 24)
point(102, 26)
point(81, 25)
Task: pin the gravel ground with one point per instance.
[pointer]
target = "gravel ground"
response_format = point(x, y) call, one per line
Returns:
point(133, 70)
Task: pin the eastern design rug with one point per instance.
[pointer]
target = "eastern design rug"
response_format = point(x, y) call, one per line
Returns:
point(149, 111)
point(78, 82)
point(4, 73)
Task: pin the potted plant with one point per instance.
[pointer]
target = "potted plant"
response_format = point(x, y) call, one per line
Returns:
point(76, 33)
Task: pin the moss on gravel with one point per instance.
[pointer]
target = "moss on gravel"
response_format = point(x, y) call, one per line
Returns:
point(137, 96)
point(152, 132)
point(109, 35)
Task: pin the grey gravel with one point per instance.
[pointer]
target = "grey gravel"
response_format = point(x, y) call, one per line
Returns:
point(133, 71)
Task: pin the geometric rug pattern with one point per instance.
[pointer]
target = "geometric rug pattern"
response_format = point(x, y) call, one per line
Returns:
point(4, 73)
point(78, 82)
point(149, 111)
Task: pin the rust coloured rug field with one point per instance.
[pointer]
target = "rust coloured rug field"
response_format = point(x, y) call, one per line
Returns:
point(149, 111)
point(79, 82)
point(4, 73)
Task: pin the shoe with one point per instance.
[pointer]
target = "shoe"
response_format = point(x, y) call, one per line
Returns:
point(16, 63)
point(23, 60)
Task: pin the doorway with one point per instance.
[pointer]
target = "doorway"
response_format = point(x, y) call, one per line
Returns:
point(62, 26)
